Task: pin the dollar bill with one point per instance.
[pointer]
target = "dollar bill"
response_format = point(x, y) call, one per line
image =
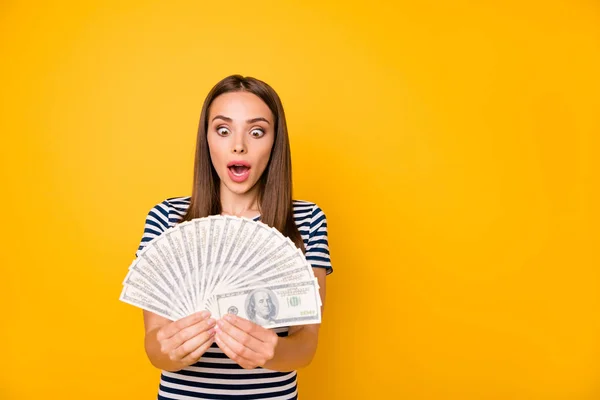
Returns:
point(188, 235)
point(217, 224)
point(273, 306)
point(256, 241)
point(296, 275)
point(279, 265)
point(175, 238)
point(149, 263)
point(293, 269)
point(201, 230)
point(282, 248)
point(167, 256)
point(140, 279)
point(239, 245)
point(137, 298)
point(230, 232)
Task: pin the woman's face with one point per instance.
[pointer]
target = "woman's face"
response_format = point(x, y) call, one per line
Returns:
point(240, 136)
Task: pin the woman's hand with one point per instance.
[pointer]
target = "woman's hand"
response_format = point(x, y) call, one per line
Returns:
point(184, 341)
point(248, 344)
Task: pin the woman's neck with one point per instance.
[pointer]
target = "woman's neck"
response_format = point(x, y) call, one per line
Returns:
point(240, 205)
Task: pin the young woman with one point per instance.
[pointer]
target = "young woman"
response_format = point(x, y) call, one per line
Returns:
point(243, 168)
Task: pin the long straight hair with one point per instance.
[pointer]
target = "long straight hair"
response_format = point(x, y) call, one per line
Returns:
point(275, 185)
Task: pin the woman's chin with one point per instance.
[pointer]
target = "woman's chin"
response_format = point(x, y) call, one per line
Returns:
point(238, 188)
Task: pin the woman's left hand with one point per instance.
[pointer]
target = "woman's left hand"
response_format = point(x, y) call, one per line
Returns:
point(248, 344)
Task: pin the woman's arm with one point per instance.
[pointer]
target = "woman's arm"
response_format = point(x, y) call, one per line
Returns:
point(251, 345)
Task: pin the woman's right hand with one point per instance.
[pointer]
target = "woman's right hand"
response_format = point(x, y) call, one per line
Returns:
point(180, 343)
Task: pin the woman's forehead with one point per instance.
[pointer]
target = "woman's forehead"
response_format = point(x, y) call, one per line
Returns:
point(240, 106)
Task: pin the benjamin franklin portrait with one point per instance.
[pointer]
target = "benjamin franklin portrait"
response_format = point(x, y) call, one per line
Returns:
point(262, 307)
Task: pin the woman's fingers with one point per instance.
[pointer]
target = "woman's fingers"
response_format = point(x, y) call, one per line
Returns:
point(188, 333)
point(223, 341)
point(261, 340)
point(187, 338)
point(242, 337)
point(190, 351)
point(173, 328)
point(194, 356)
point(257, 331)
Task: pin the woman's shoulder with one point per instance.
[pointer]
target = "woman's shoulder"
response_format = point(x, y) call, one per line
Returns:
point(180, 203)
point(170, 211)
point(305, 211)
point(304, 205)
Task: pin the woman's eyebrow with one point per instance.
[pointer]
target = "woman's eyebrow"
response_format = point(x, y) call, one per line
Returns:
point(223, 118)
point(253, 120)
point(250, 121)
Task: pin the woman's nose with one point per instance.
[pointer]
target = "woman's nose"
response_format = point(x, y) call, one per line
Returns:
point(239, 147)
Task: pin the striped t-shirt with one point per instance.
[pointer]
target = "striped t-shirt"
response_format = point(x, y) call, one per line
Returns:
point(215, 376)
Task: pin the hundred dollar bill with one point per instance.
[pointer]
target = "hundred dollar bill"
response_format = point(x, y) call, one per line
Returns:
point(208, 254)
point(281, 268)
point(260, 237)
point(139, 299)
point(296, 274)
point(226, 238)
point(243, 248)
point(277, 267)
point(189, 249)
point(274, 306)
point(176, 242)
point(265, 240)
point(141, 280)
point(201, 226)
point(239, 244)
point(150, 264)
point(282, 248)
point(217, 224)
point(226, 246)
point(166, 253)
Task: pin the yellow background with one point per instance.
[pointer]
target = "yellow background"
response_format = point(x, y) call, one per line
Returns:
point(453, 145)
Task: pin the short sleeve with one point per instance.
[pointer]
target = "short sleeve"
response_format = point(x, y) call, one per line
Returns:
point(317, 250)
point(157, 222)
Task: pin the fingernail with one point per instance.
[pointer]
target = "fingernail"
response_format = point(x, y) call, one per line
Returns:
point(228, 318)
point(204, 314)
point(220, 323)
point(210, 321)
point(211, 332)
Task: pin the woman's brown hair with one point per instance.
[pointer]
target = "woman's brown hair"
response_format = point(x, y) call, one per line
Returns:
point(275, 184)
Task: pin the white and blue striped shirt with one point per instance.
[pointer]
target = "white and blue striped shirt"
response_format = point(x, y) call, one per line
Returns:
point(215, 376)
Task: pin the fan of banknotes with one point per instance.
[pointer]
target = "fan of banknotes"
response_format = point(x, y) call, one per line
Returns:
point(224, 264)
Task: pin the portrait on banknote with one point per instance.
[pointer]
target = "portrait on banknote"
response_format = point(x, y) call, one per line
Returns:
point(261, 306)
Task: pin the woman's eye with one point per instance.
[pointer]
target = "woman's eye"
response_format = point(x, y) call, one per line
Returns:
point(222, 131)
point(257, 132)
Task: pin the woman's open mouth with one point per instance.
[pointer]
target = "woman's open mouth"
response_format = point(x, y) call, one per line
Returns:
point(239, 171)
